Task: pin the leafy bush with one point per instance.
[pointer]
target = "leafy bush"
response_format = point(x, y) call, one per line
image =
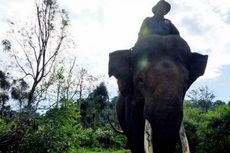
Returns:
point(208, 132)
point(108, 139)
point(58, 131)
point(214, 132)
point(88, 138)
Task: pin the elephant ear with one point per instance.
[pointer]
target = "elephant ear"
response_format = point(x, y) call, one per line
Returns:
point(197, 65)
point(121, 68)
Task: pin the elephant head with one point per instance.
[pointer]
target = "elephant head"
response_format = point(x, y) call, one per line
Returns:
point(153, 78)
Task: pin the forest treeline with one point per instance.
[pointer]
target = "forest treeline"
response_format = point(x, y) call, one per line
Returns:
point(83, 123)
point(50, 104)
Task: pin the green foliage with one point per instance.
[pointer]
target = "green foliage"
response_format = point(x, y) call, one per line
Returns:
point(99, 150)
point(215, 131)
point(93, 108)
point(208, 132)
point(5, 125)
point(59, 131)
point(108, 139)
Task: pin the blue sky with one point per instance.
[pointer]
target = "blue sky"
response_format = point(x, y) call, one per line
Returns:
point(99, 27)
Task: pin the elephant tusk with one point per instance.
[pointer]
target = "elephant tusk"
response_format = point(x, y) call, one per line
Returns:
point(183, 139)
point(148, 145)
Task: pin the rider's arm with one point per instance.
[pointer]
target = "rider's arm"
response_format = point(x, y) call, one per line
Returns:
point(144, 30)
point(174, 30)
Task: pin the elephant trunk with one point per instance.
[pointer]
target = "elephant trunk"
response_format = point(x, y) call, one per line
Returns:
point(148, 142)
point(165, 118)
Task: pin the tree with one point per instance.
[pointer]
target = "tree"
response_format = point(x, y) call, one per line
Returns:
point(70, 82)
point(84, 82)
point(201, 97)
point(11, 88)
point(4, 88)
point(92, 107)
point(19, 92)
point(99, 97)
point(218, 103)
point(40, 45)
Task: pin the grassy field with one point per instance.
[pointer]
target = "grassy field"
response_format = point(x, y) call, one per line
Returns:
point(84, 150)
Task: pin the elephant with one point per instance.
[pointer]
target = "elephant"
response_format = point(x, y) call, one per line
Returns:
point(152, 79)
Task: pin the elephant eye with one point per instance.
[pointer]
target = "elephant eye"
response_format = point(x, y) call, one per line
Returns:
point(140, 81)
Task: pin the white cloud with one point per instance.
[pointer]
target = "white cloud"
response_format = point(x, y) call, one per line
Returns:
point(102, 26)
point(203, 25)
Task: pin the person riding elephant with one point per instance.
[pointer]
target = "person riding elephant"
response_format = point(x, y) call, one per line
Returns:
point(157, 24)
point(153, 78)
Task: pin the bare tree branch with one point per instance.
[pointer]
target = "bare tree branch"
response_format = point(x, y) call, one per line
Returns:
point(39, 50)
point(21, 67)
point(27, 57)
point(34, 49)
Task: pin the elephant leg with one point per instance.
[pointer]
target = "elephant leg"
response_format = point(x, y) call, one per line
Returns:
point(131, 121)
point(137, 129)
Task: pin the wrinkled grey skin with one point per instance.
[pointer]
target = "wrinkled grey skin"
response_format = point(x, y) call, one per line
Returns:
point(153, 79)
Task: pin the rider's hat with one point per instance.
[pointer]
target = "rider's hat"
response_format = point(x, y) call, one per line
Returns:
point(162, 7)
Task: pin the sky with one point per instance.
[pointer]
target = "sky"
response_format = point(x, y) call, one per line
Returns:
point(99, 27)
